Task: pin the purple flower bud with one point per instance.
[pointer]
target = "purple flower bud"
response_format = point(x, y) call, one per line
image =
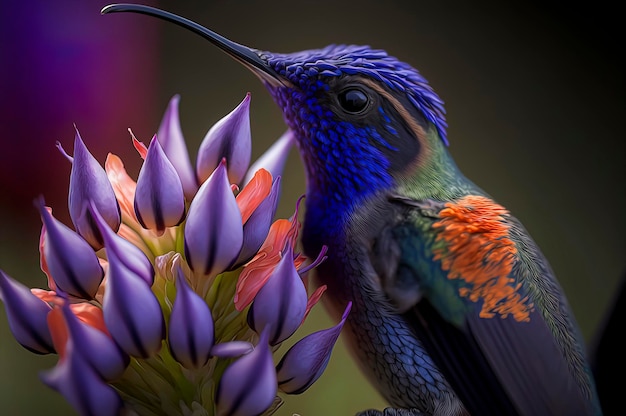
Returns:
point(191, 330)
point(159, 199)
point(27, 315)
point(306, 360)
point(173, 142)
point(131, 311)
point(274, 158)
point(257, 227)
point(71, 261)
point(213, 230)
point(89, 182)
point(98, 349)
point(81, 385)
point(229, 138)
point(281, 302)
point(248, 385)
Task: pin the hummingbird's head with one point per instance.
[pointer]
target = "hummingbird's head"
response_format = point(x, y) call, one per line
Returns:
point(355, 109)
point(361, 118)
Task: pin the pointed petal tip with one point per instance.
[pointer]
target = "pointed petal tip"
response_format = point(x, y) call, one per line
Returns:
point(139, 146)
point(305, 362)
point(173, 104)
point(59, 146)
point(171, 138)
point(89, 182)
point(229, 138)
point(346, 312)
point(274, 158)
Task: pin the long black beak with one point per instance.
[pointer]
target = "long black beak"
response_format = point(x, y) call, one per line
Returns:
point(246, 56)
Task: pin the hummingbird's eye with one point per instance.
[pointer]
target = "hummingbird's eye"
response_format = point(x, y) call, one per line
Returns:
point(353, 100)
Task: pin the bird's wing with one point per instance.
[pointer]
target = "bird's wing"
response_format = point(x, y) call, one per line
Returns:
point(482, 299)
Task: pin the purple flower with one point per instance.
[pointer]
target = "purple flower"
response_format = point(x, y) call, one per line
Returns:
point(307, 359)
point(280, 305)
point(257, 225)
point(213, 231)
point(248, 386)
point(191, 331)
point(89, 182)
point(159, 199)
point(82, 386)
point(171, 138)
point(70, 259)
point(228, 139)
point(97, 348)
point(119, 291)
point(27, 315)
point(274, 158)
point(131, 311)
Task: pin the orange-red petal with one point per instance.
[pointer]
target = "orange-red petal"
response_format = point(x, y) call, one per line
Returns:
point(43, 264)
point(254, 193)
point(140, 147)
point(90, 314)
point(260, 268)
point(123, 185)
point(58, 330)
point(313, 299)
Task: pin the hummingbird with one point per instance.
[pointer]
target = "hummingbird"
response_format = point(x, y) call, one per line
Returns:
point(455, 310)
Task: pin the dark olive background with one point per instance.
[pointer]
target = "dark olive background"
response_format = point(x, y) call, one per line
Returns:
point(534, 95)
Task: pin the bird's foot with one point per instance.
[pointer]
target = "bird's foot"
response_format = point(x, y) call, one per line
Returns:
point(390, 411)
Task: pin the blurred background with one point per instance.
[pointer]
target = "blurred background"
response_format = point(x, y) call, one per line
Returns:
point(534, 96)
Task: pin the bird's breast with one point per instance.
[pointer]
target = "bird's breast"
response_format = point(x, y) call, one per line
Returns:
point(382, 342)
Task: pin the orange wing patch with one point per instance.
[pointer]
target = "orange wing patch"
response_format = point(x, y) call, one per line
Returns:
point(478, 250)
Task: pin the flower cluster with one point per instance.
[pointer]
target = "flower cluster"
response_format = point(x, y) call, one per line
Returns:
point(172, 294)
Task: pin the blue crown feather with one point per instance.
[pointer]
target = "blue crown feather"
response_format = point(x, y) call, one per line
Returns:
point(301, 68)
